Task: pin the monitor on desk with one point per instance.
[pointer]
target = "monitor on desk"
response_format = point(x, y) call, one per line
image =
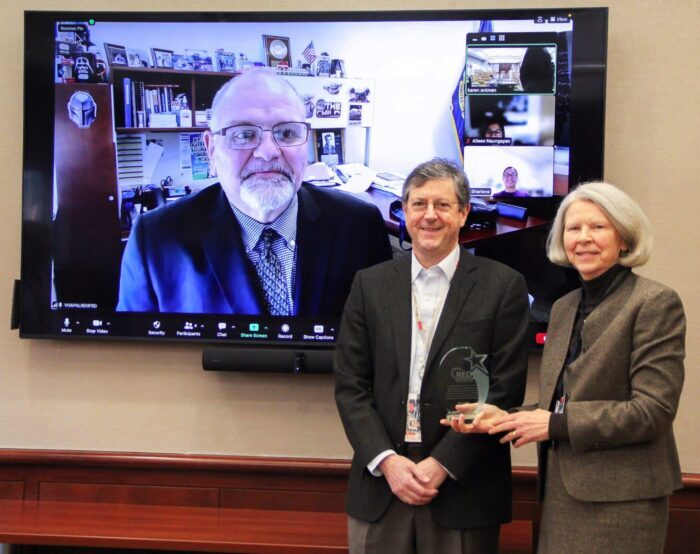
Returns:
point(129, 95)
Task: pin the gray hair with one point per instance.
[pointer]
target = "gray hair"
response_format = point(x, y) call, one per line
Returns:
point(624, 214)
point(252, 73)
point(438, 168)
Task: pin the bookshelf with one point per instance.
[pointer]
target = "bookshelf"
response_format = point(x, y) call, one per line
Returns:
point(199, 88)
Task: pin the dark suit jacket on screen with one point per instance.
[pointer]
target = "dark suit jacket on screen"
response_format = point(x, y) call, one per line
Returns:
point(486, 308)
point(189, 256)
point(623, 392)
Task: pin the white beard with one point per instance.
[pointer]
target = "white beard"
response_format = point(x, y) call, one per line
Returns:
point(267, 193)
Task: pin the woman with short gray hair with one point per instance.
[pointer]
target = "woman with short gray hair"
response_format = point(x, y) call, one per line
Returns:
point(610, 382)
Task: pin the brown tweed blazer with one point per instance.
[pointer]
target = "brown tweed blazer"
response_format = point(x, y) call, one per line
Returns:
point(623, 392)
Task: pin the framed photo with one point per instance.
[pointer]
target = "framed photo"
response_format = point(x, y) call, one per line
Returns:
point(225, 61)
point(329, 146)
point(201, 60)
point(180, 61)
point(137, 57)
point(116, 55)
point(355, 114)
point(162, 58)
point(277, 51)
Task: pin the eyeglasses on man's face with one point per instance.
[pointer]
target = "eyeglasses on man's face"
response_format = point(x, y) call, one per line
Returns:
point(247, 137)
point(511, 174)
point(421, 206)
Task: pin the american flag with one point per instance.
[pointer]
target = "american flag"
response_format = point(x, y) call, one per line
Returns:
point(309, 52)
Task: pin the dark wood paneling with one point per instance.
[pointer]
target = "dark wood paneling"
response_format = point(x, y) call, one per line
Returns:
point(283, 500)
point(683, 532)
point(516, 538)
point(266, 485)
point(689, 496)
point(529, 511)
point(171, 528)
point(129, 494)
point(11, 490)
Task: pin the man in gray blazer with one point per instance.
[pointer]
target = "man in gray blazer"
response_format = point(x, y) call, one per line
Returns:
point(414, 484)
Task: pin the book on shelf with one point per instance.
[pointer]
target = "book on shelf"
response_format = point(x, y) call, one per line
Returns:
point(162, 96)
point(142, 100)
point(128, 105)
point(134, 107)
point(141, 105)
point(134, 114)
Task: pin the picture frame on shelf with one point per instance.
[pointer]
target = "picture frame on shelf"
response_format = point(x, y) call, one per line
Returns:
point(162, 58)
point(116, 54)
point(225, 61)
point(329, 146)
point(137, 57)
point(183, 62)
point(277, 51)
point(201, 60)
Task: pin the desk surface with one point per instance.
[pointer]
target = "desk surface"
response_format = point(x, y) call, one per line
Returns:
point(171, 528)
point(467, 238)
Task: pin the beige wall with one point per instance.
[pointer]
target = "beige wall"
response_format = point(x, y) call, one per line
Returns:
point(155, 398)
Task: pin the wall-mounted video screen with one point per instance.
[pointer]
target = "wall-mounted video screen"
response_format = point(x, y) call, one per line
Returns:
point(131, 231)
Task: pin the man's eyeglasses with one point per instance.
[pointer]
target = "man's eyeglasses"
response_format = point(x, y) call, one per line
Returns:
point(420, 206)
point(247, 137)
point(510, 174)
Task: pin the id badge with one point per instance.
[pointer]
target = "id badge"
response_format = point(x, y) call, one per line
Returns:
point(413, 419)
point(560, 404)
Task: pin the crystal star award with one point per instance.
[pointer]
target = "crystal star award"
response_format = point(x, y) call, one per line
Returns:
point(463, 378)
